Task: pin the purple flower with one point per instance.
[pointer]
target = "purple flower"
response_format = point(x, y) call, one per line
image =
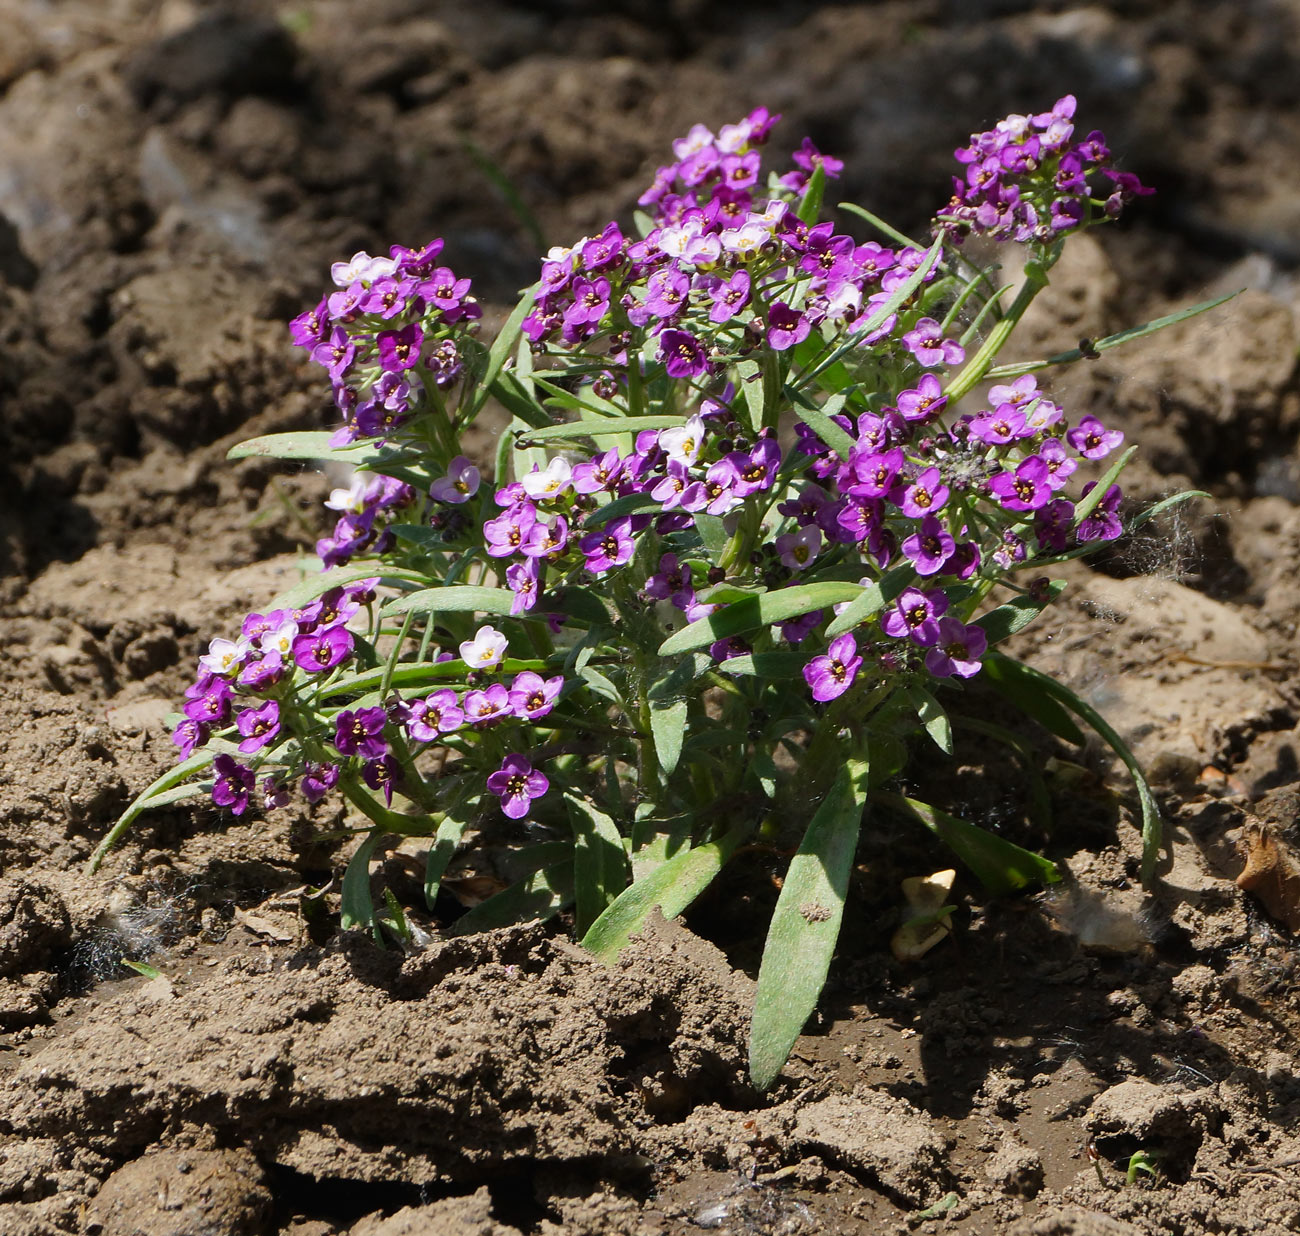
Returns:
point(506, 534)
point(212, 705)
point(926, 342)
point(798, 629)
point(874, 472)
point(438, 713)
point(924, 495)
point(318, 780)
point(522, 578)
point(187, 735)
point(546, 540)
point(483, 707)
point(682, 354)
point(1059, 464)
point(590, 301)
point(930, 547)
point(234, 782)
point(380, 774)
point(755, 469)
point(786, 327)
point(597, 474)
point(797, 549)
point(1053, 524)
point(1092, 439)
point(259, 726)
point(925, 400)
point(997, 428)
point(957, 650)
point(671, 578)
point(730, 298)
point(486, 650)
point(829, 676)
point(1103, 524)
point(459, 485)
point(916, 616)
point(609, 546)
point(532, 696)
point(322, 649)
point(361, 732)
point(399, 349)
point(1024, 490)
point(335, 353)
point(517, 783)
point(666, 292)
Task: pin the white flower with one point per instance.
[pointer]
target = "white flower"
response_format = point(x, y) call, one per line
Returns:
point(224, 655)
point(550, 482)
point(486, 650)
point(281, 639)
point(684, 442)
point(362, 268)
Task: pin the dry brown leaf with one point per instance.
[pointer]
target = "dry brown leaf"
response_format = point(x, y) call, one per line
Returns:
point(1272, 874)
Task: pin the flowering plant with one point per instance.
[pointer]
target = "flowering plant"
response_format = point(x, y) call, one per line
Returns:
point(746, 533)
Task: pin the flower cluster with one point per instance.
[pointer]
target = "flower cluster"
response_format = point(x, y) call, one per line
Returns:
point(1026, 180)
point(390, 336)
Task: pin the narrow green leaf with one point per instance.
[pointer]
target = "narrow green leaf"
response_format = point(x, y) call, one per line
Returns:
point(600, 684)
point(933, 718)
point(1002, 372)
point(880, 225)
point(998, 864)
point(1159, 508)
point(1152, 825)
point(317, 585)
point(672, 887)
point(778, 666)
point(142, 967)
point(419, 535)
point(515, 395)
point(805, 925)
point(759, 611)
point(600, 870)
point(821, 424)
point(810, 204)
point(358, 909)
point(445, 843)
point(459, 599)
point(158, 793)
point(1011, 680)
point(713, 534)
point(503, 345)
point(315, 444)
point(1003, 622)
point(613, 427)
point(871, 600)
point(1087, 505)
point(750, 375)
point(629, 504)
point(537, 897)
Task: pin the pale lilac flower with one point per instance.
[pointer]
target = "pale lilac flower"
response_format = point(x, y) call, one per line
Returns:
point(438, 713)
point(517, 783)
point(487, 705)
point(549, 482)
point(926, 342)
point(459, 485)
point(683, 443)
point(523, 578)
point(797, 549)
point(225, 656)
point(532, 696)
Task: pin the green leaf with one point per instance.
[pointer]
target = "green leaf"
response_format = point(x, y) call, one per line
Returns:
point(515, 395)
point(1003, 622)
point(142, 967)
point(1087, 505)
point(759, 611)
point(307, 590)
point(713, 534)
point(600, 870)
point(629, 504)
point(871, 600)
point(1152, 825)
point(750, 375)
point(671, 886)
point(612, 427)
point(445, 843)
point(668, 728)
point(315, 444)
point(358, 909)
point(580, 604)
point(1011, 679)
point(419, 535)
point(998, 864)
point(805, 925)
point(810, 204)
point(457, 599)
point(1002, 372)
point(537, 897)
point(933, 718)
point(880, 225)
point(1159, 508)
point(161, 792)
point(601, 685)
point(821, 424)
point(774, 666)
point(502, 346)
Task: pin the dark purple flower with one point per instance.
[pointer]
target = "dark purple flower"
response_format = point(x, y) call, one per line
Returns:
point(318, 780)
point(322, 649)
point(672, 577)
point(1053, 524)
point(831, 675)
point(957, 650)
point(517, 783)
point(380, 774)
point(682, 354)
point(400, 349)
point(259, 726)
point(212, 706)
point(1103, 524)
point(925, 495)
point(755, 468)
point(786, 327)
point(233, 784)
point(798, 629)
point(930, 547)
point(361, 732)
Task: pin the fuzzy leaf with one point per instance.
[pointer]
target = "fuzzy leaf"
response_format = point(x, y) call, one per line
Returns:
point(358, 909)
point(315, 444)
point(805, 925)
point(671, 886)
point(1003, 622)
point(600, 870)
point(535, 898)
point(871, 600)
point(459, 598)
point(932, 717)
point(1011, 679)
